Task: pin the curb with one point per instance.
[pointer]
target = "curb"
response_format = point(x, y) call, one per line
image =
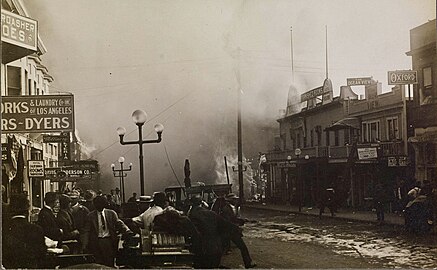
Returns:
point(262, 207)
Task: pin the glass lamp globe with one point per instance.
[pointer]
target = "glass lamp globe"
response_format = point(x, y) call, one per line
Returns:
point(121, 131)
point(113, 166)
point(139, 117)
point(159, 128)
point(121, 159)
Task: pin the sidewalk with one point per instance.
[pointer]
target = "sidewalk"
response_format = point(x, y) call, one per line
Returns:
point(343, 213)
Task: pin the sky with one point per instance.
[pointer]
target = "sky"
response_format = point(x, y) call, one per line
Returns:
point(183, 62)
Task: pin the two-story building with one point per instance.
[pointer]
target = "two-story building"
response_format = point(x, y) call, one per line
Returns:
point(344, 142)
point(423, 113)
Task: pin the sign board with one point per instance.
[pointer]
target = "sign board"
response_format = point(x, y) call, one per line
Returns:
point(359, 81)
point(312, 94)
point(367, 153)
point(397, 161)
point(19, 30)
point(63, 138)
point(65, 151)
point(29, 114)
point(36, 168)
point(402, 77)
point(5, 152)
point(93, 165)
point(71, 173)
point(286, 165)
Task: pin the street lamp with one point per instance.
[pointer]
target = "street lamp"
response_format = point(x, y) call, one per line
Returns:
point(120, 173)
point(139, 117)
point(297, 153)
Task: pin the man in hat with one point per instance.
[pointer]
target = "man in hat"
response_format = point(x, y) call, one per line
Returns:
point(159, 202)
point(101, 232)
point(23, 243)
point(47, 219)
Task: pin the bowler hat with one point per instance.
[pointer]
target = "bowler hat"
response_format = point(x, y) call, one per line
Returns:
point(231, 196)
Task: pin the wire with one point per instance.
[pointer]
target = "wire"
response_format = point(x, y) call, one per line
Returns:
point(166, 109)
point(171, 166)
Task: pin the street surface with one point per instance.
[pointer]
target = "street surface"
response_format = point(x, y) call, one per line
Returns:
point(278, 240)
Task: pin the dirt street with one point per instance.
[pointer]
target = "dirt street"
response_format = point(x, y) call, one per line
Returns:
point(273, 253)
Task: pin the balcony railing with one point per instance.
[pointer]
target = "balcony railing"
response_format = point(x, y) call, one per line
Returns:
point(337, 152)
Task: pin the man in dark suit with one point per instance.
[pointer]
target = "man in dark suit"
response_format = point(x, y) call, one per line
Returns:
point(101, 232)
point(47, 219)
point(23, 242)
point(210, 226)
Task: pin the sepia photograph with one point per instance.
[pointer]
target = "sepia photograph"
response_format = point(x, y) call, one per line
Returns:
point(219, 134)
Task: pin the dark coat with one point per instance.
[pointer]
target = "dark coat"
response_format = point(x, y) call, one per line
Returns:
point(47, 221)
point(91, 231)
point(23, 245)
point(66, 223)
point(80, 214)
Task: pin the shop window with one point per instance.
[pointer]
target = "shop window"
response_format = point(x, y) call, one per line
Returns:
point(14, 81)
point(347, 136)
point(328, 143)
point(336, 138)
point(392, 128)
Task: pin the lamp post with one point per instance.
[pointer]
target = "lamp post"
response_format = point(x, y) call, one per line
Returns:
point(139, 117)
point(120, 174)
point(297, 152)
point(240, 171)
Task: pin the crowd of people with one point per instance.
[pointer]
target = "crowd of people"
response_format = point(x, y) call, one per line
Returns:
point(89, 223)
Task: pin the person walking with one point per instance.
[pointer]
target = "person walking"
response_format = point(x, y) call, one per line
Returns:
point(327, 200)
point(210, 226)
point(79, 213)
point(100, 235)
point(379, 199)
point(227, 208)
point(23, 244)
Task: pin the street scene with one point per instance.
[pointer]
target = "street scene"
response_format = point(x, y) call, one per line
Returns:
point(219, 134)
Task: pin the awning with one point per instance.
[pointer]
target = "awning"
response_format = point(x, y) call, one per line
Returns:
point(345, 123)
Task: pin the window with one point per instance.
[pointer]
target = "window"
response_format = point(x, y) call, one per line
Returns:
point(392, 128)
point(312, 138)
point(298, 139)
point(319, 138)
point(370, 131)
point(347, 136)
point(328, 143)
point(427, 77)
point(336, 138)
point(14, 81)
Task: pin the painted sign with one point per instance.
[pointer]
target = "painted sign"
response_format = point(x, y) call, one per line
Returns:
point(5, 152)
point(71, 174)
point(63, 138)
point(312, 94)
point(367, 153)
point(402, 77)
point(359, 81)
point(36, 168)
point(93, 165)
point(397, 161)
point(65, 151)
point(29, 114)
point(19, 30)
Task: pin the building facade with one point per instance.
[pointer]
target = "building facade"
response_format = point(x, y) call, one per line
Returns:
point(423, 114)
point(345, 143)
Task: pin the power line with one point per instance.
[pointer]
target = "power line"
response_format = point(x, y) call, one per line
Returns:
point(171, 166)
point(166, 109)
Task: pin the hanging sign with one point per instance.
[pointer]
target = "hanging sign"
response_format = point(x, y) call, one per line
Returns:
point(30, 114)
point(402, 77)
point(36, 168)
